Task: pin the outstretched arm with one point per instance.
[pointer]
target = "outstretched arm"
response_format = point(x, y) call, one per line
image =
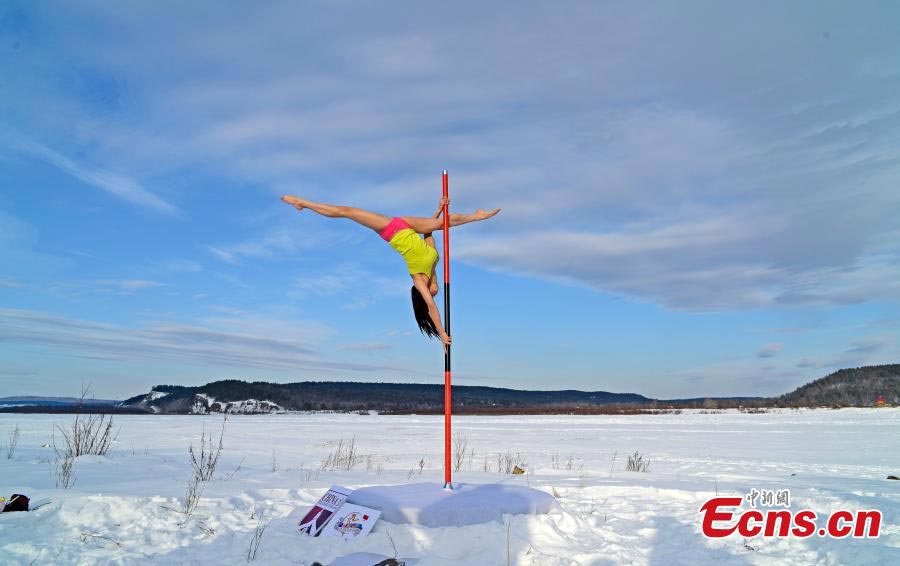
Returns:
point(424, 225)
point(422, 285)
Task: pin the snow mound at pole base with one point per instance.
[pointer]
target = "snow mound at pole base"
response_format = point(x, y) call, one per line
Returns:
point(430, 505)
point(369, 559)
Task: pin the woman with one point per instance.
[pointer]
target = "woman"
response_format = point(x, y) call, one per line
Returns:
point(421, 257)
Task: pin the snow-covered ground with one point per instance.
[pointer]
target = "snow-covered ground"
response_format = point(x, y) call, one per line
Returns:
point(123, 508)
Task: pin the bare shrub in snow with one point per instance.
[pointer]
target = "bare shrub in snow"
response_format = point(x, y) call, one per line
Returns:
point(65, 471)
point(207, 530)
point(309, 474)
point(88, 434)
point(374, 465)
point(257, 538)
point(508, 545)
point(460, 447)
point(204, 462)
point(572, 463)
point(191, 495)
point(13, 441)
point(206, 459)
point(417, 469)
point(637, 462)
point(394, 546)
point(345, 456)
point(231, 474)
point(273, 465)
point(100, 541)
point(507, 462)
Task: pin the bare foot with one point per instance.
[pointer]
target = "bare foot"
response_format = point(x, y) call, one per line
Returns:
point(293, 201)
point(482, 215)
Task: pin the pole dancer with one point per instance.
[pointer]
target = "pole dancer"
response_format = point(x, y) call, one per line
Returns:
point(402, 233)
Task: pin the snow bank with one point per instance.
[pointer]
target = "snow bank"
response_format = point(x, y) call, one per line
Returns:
point(125, 508)
point(430, 505)
point(368, 559)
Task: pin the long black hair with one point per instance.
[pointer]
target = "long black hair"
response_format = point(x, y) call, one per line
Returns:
point(423, 319)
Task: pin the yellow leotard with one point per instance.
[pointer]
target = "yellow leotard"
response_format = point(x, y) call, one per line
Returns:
point(419, 256)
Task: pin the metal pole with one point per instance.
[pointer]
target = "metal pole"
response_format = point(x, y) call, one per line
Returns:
point(447, 395)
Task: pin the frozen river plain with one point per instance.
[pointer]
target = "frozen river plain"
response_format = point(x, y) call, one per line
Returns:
point(125, 508)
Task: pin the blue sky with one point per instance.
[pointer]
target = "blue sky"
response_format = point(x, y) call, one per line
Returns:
point(698, 199)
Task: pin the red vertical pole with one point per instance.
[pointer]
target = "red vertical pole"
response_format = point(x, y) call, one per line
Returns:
point(447, 395)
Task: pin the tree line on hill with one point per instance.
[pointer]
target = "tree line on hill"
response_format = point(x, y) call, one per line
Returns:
point(846, 387)
point(356, 396)
point(860, 387)
point(863, 387)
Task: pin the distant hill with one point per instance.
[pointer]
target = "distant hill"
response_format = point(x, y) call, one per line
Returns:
point(847, 387)
point(252, 397)
point(854, 387)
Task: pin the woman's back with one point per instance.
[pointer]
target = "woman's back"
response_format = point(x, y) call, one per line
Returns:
point(419, 256)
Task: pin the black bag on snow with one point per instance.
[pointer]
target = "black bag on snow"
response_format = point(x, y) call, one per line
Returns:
point(17, 502)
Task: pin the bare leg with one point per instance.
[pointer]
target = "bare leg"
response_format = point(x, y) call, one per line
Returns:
point(372, 220)
point(426, 225)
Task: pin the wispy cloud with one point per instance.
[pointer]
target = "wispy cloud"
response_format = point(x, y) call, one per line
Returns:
point(182, 266)
point(10, 283)
point(128, 284)
point(349, 278)
point(867, 350)
point(117, 286)
point(696, 178)
point(366, 346)
point(120, 186)
point(286, 238)
point(324, 283)
point(701, 265)
point(17, 373)
point(769, 350)
point(224, 255)
point(872, 344)
point(747, 377)
point(224, 342)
